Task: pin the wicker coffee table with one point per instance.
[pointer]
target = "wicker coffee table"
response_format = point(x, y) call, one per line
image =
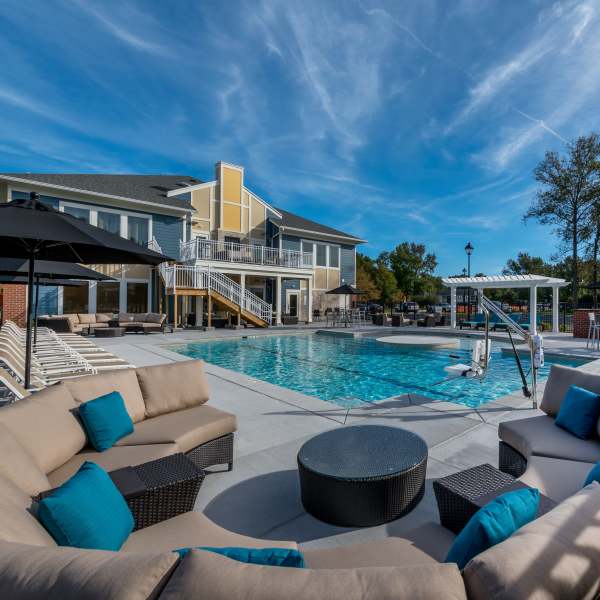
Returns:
point(362, 475)
point(109, 331)
point(159, 489)
point(460, 495)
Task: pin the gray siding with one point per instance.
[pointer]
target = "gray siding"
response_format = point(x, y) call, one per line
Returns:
point(347, 264)
point(168, 231)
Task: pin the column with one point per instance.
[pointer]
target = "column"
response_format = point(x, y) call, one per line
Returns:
point(453, 307)
point(533, 309)
point(555, 309)
point(175, 307)
point(278, 300)
point(310, 300)
point(243, 286)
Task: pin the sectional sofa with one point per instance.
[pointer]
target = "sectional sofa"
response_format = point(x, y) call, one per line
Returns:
point(556, 556)
point(88, 322)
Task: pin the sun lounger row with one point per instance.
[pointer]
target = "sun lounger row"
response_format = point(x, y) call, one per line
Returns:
point(478, 322)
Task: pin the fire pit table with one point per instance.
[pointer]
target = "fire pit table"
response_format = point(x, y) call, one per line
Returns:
point(362, 475)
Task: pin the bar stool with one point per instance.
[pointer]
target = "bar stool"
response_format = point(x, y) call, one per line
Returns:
point(593, 332)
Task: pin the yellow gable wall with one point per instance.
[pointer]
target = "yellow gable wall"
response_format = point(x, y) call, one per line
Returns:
point(201, 202)
point(232, 185)
point(231, 217)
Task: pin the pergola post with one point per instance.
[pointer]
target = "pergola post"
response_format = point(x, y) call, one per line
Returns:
point(453, 306)
point(533, 309)
point(555, 309)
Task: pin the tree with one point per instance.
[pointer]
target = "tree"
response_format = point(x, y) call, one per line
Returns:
point(413, 268)
point(365, 278)
point(386, 284)
point(570, 187)
point(525, 264)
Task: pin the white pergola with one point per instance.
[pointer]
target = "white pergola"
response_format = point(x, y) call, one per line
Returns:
point(533, 282)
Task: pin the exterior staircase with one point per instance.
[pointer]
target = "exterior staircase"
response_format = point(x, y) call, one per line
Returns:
point(201, 281)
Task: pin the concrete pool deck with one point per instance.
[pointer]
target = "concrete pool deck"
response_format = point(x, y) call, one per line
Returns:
point(261, 496)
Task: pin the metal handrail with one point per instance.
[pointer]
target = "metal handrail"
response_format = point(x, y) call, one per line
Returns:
point(202, 278)
point(214, 250)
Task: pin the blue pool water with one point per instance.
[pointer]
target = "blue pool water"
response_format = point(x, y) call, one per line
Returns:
point(349, 371)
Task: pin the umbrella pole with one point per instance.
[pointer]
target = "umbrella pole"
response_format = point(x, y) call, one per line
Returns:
point(35, 314)
point(28, 329)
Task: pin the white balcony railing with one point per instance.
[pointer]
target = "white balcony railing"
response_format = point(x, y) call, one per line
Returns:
point(213, 250)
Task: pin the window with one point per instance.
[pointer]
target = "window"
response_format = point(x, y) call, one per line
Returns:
point(79, 213)
point(109, 221)
point(334, 256)
point(321, 255)
point(75, 299)
point(137, 230)
point(307, 247)
point(137, 297)
point(107, 297)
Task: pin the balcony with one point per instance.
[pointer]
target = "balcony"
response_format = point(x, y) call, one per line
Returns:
point(248, 254)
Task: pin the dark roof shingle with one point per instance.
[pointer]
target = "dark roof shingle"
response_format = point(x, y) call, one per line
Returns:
point(148, 188)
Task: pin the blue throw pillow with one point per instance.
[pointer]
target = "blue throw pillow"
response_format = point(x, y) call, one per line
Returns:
point(494, 523)
point(274, 557)
point(105, 420)
point(579, 412)
point(87, 511)
point(593, 475)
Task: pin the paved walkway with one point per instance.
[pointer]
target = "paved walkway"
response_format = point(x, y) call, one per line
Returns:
point(261, 498)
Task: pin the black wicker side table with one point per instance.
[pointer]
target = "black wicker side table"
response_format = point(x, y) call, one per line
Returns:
point(159, 489)
point(363, 475)
point(460, 495)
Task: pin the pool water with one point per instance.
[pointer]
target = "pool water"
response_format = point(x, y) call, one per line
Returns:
point(349, 371)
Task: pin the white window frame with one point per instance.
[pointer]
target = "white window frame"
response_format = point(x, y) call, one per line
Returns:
point(328, 246)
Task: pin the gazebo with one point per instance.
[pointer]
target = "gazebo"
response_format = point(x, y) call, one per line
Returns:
point(533, 282)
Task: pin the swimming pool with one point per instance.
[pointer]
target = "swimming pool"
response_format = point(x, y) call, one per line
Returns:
point(349, 371)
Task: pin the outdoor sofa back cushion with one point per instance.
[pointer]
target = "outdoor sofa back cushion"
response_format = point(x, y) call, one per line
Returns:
point(555, 556)
point(87, 511)
point(72, 317)
point(153, 318)
point(558, 384)
point(105, 420)
point(207, 575)
point(103, 317)
point(46, 426)
point(19, 466)
point(73, 574)
point(17, 523)
point(125, 382)
point(174, 386)
point(86, 318)
point(127, 317)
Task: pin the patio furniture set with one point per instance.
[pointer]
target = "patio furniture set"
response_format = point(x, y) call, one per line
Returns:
point(360, 475)
point(478, 322)
point(105, 324)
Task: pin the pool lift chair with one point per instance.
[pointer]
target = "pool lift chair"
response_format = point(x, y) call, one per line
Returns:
point(480, 357)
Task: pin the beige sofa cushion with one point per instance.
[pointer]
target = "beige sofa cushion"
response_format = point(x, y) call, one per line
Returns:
point(539, 436)
point(30, 572)
point(555, 556)
point(86, 319)
point(91, 386)
point(73, 318)
point(174, 386)
point(127, 317)
point(558, 479)
point(205, 574)
point(111, 459)
point(103, 317)
point(387, 552)
point(17, 523)
point(19, 466)
point(193, 529)
point(188, 428)
point(154, 318)
point(46, 426)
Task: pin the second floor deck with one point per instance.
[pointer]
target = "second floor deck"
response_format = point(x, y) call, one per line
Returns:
point(249, 254)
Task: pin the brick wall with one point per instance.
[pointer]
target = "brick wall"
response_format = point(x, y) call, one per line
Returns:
point(581, 321)
point(14, 302)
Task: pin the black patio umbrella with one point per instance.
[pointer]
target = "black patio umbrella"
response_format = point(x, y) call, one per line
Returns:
point(345, 290)
point(35, 231)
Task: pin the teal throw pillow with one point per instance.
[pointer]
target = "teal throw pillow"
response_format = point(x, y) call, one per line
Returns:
point(274, 557)
point(579, 412)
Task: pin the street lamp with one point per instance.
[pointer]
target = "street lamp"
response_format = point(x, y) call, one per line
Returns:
point(469, 250)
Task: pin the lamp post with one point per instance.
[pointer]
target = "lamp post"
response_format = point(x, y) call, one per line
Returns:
point(469, 250)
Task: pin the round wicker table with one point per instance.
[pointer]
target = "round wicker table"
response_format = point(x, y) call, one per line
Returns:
point(363, 475)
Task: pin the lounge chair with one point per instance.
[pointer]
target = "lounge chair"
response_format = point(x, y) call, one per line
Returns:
point(475, 323)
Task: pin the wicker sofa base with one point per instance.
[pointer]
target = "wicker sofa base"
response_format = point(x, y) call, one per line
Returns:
point(215, 452)
point(510, 461)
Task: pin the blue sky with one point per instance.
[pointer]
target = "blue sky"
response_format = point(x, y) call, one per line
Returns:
point(395, 121)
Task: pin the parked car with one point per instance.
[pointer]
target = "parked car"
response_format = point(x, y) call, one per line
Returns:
point(410, 306)
point(441, 307)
